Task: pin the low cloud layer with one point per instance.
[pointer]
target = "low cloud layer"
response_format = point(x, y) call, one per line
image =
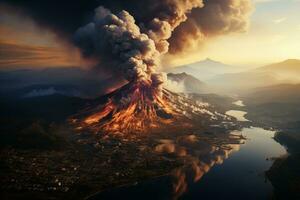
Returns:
point(14, 55)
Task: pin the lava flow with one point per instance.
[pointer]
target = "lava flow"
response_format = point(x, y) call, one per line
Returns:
point(139, 108)
point(134, 107)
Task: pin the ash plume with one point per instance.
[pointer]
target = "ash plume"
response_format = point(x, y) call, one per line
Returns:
point(173, 25)
point(170, 14)
point(217, 17)
point(118, 43)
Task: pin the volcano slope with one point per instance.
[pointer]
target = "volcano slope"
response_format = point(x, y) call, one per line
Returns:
point(135, 109)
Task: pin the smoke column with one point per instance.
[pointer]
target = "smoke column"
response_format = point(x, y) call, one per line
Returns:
point(120, 44)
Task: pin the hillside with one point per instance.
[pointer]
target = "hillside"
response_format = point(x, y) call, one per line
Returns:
point(276, 106)
point(291, 65)
point(288, 69)
point(283, 93)
point(285, 72)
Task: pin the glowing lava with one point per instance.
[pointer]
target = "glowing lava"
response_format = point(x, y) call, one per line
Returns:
point(138, 107)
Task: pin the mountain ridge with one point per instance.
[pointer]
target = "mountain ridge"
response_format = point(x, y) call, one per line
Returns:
point(204, 69)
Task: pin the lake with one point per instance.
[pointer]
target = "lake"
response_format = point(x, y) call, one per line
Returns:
point(239, 115)
point(236, 172)
point(239, 103)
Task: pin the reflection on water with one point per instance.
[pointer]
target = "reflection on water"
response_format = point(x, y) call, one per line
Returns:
point(239, 115)
point(216, 166)
point(239, 103)
point(201, 157)
point(241, 176)
point(199, 153)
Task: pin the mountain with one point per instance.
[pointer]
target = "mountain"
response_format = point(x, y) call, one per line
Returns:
point(205, 69)
point(226, 77)
point(282, 93)
point(291, 65)
point(144, 109)
point(275, 106)
point(288, 69)
point(286, 72)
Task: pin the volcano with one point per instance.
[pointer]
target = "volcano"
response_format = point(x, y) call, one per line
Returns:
point(138, 108)
point(134, 51)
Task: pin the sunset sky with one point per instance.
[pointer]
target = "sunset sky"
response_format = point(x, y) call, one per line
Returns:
point(273, 35)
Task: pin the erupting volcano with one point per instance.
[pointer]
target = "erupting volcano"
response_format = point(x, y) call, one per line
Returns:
point(133, 52)
point(138, 108)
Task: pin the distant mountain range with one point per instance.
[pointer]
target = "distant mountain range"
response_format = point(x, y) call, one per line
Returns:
point(205, 69)
point(233, 79)
point(287, 71)
point(206, 76)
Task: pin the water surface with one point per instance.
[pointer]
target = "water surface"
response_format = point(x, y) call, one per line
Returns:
point(239, 115)
point(239, 103)
point(232, 172)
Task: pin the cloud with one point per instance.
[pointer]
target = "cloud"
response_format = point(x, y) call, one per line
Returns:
point(217, 17)
point(192, 20)
point(20, 55)
point(175, 86)
point(279, 20)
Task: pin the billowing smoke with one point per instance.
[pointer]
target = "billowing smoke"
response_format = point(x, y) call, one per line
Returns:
point(217, 17)
point(170, 14)
point(119, 43)
point(172, 24)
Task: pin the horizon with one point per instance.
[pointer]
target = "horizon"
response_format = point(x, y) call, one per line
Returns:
point(244, 67)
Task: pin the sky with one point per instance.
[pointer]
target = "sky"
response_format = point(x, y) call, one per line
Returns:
point(273, 35)
point(24, 44)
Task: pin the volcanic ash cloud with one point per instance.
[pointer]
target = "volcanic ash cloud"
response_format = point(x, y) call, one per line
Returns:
point(125, 48)
point(119, 44)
